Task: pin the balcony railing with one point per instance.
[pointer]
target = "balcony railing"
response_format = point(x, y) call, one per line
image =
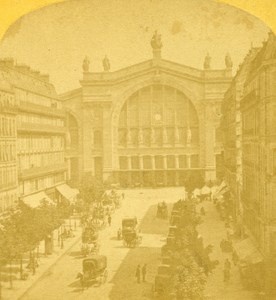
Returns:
point(40, 171)
point(41, 128)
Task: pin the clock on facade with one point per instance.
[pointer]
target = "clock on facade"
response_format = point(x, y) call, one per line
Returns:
point(157, 117)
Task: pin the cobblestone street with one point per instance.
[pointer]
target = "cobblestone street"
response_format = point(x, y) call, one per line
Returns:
point(213, 231)
point(60, 281)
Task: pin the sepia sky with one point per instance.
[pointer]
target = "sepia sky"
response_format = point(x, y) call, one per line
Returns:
point(56, 38)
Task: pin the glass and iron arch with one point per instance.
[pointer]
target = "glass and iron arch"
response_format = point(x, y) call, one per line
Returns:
point(158, 116)
point(158, 137)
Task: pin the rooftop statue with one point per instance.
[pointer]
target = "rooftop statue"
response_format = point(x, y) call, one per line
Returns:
point(156, 42)
point(106, 64)
point(228, 61)
point(207, 62)
point(189, 135)
point(85, 64)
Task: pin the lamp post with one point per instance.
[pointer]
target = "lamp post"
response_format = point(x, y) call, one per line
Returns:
point(61, 245)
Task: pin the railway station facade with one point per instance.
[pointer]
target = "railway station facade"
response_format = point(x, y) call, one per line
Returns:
point(148, 124)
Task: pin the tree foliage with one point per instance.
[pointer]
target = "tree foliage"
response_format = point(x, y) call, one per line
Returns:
point(91, 189)
point(193, 181)
point(189, 279)
point(26, 227)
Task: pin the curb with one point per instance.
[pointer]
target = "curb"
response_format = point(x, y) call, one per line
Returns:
point(47, 269)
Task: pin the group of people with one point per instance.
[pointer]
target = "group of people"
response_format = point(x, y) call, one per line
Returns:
point(141, 273)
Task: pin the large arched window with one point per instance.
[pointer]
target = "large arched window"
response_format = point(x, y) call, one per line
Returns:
point(158, 116)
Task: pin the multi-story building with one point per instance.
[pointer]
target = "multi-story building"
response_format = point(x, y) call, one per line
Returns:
point(258, 108)
point(231, 128)
point(8, 169)
point(148, 124)
point(41, 134)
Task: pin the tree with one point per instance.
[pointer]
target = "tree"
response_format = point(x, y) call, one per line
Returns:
point(193, 181)
point(189, 278)
point(91, 190)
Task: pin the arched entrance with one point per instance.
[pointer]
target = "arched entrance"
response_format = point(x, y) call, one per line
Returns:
point(157, 137)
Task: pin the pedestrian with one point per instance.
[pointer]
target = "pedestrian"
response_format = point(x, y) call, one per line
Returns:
point(123, 196)
point(202, 211)
point(227, 264)
point(226, 275)
point(109, 220)
point(235, 258)
point(144, 272)
point(138, 274)
point(119, 233)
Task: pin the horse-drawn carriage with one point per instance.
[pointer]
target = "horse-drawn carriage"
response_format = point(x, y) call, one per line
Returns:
point(162, 210)
point(132, 238)
point(94, 269)
point(163, 281)
point(89, 239)
point(130, 232)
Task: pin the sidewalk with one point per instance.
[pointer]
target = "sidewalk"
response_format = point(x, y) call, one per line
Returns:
point(20, 287)
point(213, 231)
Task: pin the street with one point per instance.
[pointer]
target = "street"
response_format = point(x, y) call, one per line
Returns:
point(60, 282)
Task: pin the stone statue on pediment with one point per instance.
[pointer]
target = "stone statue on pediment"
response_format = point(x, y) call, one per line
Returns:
point(106, 64)
point(165, 136)
point(68, 139)
point(207, 62)
point(140, 136)
point(189, 136)
point(152, 136)
point(228, 61)
point(128, 136)
point(85, 64)
point(156, 41)
point(176, 135)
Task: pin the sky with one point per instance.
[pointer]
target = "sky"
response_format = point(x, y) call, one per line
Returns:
point(55, 39)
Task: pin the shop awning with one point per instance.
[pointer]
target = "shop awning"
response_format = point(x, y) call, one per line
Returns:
point(248, 252)
point(37, 199)
point(196, 192)
point(67, 192)
point(222, 189)
point(205, 190)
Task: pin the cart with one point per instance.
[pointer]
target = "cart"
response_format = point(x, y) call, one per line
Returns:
point(94, 270)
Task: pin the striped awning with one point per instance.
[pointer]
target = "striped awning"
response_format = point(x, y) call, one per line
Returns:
point(67, 192)
point(37, 199)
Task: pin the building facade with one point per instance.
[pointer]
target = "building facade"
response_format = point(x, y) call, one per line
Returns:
point(8, 132)
point(231, 128)
point(148, 124)
point(41, 133)
point(258, 108)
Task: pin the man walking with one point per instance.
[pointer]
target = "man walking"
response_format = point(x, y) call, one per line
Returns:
point(138, 274)
point(109, 220)
point(144, 272)
point(226, 272)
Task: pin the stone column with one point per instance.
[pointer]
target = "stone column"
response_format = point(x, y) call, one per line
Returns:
point(141, 166)
point(129, 163)
point(188, 161)
point(129, 171)
point(128, 138)
point(209, 130)
point(177, 169)
point(153, 170)
point(107, 142)
point(165, 169)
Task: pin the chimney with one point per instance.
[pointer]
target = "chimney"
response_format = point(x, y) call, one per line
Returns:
point(34, 73)
point(7, 62)
point(23, 68)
